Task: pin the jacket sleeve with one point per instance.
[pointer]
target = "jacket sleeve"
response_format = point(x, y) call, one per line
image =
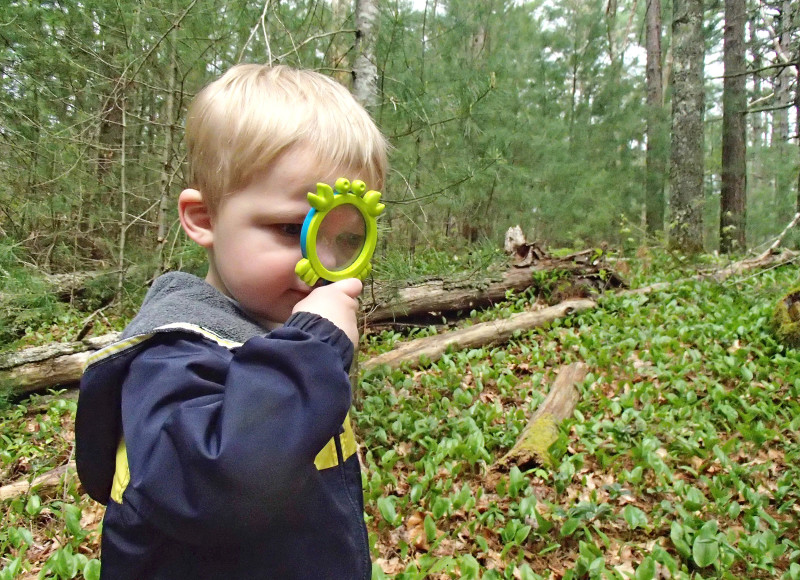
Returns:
point(221, 442)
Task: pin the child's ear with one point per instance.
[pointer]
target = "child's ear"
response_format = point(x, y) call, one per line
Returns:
point(195, 217)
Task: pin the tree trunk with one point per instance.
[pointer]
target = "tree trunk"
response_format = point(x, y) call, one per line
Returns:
point(338, 49)
point(782, 104)
point(123, 210)
point(783, 80)
point(365, 72)
point(797, 119)
point(756, 117)
point(656, 135)
point(686, 169)
point(167, 174)
point(733, 199)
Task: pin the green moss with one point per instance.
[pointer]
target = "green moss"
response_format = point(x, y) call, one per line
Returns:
point(540, 436)
point(786, 319)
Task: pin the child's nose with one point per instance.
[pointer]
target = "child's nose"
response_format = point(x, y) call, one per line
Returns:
point(327, 256)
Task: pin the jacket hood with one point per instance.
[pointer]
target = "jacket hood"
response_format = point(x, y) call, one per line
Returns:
point(177, 301)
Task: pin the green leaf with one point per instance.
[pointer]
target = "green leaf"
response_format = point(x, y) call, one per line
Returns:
point(388, 511)
point(377, 572)
point(72, 518)
point(527, 506)
point(12, 569)
point(569, 527)
point(92, 570)
point(20, 537)
point(597, 565)
point(646, 570)
point(635, 517)
point(793, 573)
point(694, 499)
point(64, 563)
point(430, 528)
point(705, 551)
point(734, 509)
point(677, 535)
point(709, 530)
point(440, 507)
point(522, 533)
point(516, 481)
point(34, 506)
point(469, 567)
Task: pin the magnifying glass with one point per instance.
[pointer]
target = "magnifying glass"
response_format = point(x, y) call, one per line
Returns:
point(340, 232)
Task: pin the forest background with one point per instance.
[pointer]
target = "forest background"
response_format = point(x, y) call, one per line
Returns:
point(558, 116)
point(634, 125)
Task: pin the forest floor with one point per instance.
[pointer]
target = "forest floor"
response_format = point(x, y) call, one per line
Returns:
point(680, 461)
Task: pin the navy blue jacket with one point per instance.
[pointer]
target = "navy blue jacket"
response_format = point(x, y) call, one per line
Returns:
point(222, 451)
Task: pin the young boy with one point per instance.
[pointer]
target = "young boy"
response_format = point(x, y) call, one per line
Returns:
point(217, 428)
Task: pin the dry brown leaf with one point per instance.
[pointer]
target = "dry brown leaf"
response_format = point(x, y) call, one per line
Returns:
point(415, 531)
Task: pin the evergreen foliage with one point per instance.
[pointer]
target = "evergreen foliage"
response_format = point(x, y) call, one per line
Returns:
point(499, 113)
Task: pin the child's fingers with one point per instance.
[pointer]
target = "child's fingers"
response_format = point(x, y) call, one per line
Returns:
point(350, 286)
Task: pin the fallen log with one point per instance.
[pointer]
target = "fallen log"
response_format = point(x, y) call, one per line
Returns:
point(49, 366)
point(436, 297)
point(483, 334)
point(541, 431)
point(60, 365)
point(45, 482)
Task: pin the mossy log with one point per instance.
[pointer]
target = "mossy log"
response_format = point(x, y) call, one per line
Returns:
point(583, 277)
point(786, 319)
point(541, 431)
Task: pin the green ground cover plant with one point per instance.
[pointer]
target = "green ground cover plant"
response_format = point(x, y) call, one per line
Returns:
point(681, 459)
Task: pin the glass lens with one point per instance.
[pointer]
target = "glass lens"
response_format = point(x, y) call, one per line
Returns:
point(341, 237)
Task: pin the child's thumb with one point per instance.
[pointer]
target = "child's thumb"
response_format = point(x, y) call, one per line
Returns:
point(350, 286)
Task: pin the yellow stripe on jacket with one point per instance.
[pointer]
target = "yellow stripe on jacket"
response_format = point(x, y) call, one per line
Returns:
point(325, 459)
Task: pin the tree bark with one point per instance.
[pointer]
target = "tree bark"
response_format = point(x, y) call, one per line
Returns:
point(686, 169)
point(733, 198)
point(365, 71)
point(783, 80)
point(787, 6)
point(123, 211)
point(782, 103)
point(165, 182)
point(756, 117)
point(338, 48)
point(656, 135)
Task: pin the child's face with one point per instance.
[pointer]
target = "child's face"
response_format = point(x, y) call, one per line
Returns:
point(256, 236)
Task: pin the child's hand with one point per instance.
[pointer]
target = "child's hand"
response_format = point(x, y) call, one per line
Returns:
point(336, 302)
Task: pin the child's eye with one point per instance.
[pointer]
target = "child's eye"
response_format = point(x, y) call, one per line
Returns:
point(291, 229)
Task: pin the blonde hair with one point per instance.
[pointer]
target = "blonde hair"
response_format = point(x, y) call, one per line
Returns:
point(242, 121)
